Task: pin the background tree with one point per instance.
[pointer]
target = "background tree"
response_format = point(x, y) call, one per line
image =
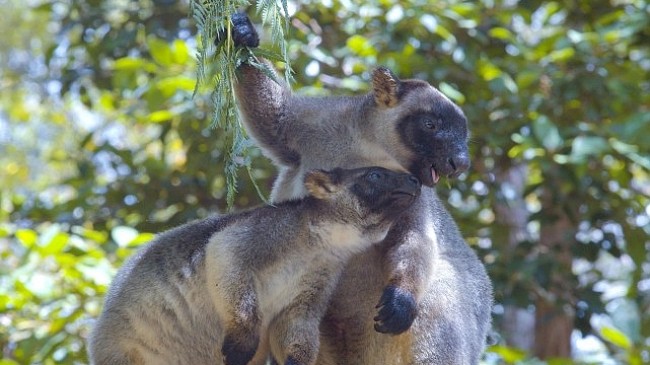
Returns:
point(101, 139)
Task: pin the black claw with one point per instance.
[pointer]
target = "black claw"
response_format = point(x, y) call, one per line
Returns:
point(235, 353)
point(292, 361)
point(397, 311)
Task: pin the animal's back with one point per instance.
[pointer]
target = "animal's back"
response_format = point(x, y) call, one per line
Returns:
point(156, 311)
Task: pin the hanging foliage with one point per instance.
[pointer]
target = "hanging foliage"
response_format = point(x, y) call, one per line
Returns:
point(217, 65)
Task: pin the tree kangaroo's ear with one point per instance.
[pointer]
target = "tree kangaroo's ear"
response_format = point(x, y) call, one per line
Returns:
point(320, 184)
point(385, 86)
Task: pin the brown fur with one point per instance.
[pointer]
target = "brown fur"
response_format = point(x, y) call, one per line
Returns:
point(209, 292)
point(423, 284)
point(385, 87)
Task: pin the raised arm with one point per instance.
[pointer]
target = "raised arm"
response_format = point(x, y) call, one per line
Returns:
point(262, 100)
point(410, 246)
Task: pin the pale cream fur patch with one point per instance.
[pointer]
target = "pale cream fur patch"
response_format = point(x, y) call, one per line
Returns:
point(377, 155)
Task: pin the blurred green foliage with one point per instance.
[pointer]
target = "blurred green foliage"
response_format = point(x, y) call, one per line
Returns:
point(101, 142)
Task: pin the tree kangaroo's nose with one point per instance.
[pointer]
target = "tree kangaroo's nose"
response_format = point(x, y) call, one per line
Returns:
point(459, 164)
point(413, 181)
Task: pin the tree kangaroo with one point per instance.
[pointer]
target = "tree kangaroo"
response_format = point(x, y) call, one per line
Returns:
point(423, 276)
point(218, 283)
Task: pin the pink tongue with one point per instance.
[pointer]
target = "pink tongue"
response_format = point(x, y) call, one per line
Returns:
point(434, 176)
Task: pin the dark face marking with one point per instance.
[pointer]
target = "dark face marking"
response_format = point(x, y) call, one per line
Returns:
point(384, 192)
point(439, 139)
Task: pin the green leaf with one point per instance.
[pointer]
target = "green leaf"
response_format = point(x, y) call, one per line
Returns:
point(106, 101)
point(168, 86)
point(630, 151)
point(586, 146)
point(361, 46)
point(500, 33)
point(160, 116)
point(142, 238)
point(547, 133)
point(446, 34)
point(95, 236)
point(27, 237)
point(561, 55)
point(509, 83)
point(526, 78)
point(180, 52)
point(129, 64)
point(487, 70)
point(56, 244)
point(160, 51)
point(451, 92)
point(634, 129)
point(509, 354)
point(616, 337)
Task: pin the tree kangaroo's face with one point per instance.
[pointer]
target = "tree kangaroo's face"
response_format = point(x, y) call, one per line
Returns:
point(383, 192)
point(373, 195)
point(436, 132)
point(431, 130)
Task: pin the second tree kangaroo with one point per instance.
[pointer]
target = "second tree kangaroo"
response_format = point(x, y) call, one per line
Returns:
point(209, 290)
point(423, 277)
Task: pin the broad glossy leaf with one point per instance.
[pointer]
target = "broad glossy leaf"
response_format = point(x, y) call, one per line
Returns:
point(56, 244)
point(129, 64)
point(547, 133)
point(615, 337)
point(141, 239)
point(488, 70)
point(27, 237)
point(561, 55)
point(160, 51)
point(168, 86)
point(452, 92)
point(510, 355)
point(361, 46)
point(586, 146)
point(501, 33)
point(180, 52)
point(160, 116)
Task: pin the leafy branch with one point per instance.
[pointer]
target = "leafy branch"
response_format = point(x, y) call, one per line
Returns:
point(217, 66)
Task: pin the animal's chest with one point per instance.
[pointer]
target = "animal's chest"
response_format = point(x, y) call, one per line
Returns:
point(277, 286)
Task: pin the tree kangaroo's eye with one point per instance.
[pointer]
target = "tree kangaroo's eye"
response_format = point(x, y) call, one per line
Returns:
point(374, 176)
point(429, 123)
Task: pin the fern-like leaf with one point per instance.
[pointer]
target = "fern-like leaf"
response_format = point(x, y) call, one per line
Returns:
point(216, 69)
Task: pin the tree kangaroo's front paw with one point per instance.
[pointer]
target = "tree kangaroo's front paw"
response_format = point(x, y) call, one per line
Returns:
point(236, 353)
point(243, 32)
point(292, 361)
point(397, 310)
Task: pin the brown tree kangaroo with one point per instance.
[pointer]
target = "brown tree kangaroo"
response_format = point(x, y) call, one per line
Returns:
point(207, 292)
point(422, 296)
